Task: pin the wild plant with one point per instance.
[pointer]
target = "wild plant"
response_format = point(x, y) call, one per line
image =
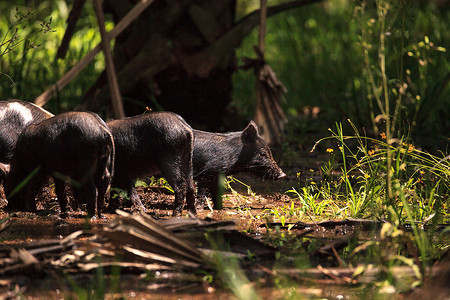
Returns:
point(421, 177)
point(238, 199)
point(17, 34)
point(30, 37)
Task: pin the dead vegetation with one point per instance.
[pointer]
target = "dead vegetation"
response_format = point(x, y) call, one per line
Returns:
point(196, 256)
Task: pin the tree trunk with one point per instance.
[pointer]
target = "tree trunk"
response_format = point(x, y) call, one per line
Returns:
point(179, 55)
point(150, 59)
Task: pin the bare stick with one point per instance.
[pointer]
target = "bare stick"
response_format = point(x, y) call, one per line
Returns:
point(74, 15)
point(262, 26)
point(43, 98)
point(116, 99)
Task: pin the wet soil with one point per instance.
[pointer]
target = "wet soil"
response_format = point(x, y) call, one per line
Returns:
point(26, 228)
point(239, 204)
point(46, 224)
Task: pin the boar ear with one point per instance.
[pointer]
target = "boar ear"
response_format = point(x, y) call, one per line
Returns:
point(249, 133)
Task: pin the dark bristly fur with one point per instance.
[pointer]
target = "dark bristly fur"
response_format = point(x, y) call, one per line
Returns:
point(15, 116)
point(75, 147)
point(230, 153)
point(159, 142)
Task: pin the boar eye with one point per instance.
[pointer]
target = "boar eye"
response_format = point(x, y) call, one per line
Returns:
point(263, 153)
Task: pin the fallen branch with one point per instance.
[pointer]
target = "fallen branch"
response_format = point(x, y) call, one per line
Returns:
point(116, 99)
point(43, 98)
point(202, 62)
point(361, 274)
point(72, 20)
point(176, 246)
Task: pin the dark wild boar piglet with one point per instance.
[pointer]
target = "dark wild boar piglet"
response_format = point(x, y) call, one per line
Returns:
point(230, 153)
point(15, 115)
point(74, 147)
point(152, 144)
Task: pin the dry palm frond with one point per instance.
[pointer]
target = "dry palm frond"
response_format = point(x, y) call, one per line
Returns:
point(136, 243)
point(269, 94)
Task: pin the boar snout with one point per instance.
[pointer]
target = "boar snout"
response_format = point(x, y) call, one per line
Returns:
point(281, 175)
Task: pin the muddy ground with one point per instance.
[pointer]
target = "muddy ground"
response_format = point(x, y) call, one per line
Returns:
point(46, 224)
point(26, 228)
point(239, 205)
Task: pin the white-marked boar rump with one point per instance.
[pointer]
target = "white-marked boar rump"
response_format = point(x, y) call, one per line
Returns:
point(4, 171)
point(230, 153)
point(151, 144)
point(15, 116)
point(74, 147)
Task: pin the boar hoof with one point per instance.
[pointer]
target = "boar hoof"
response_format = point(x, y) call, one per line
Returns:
point(177, 211)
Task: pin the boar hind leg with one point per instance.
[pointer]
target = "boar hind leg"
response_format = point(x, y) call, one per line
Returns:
point(190, 196)
point(202, 196)
point(208, 188)
point(179, 188)
point(102, 182)
point(100, 201)
point(134, 196)
point(178, 183)
point(89, 194)
point(102, 189)
point(32, 189)
point(190, 189)
point(62, 197)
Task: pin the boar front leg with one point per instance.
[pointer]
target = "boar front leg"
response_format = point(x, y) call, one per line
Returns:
point(103, 182)
point(89, 192)
point(175, 178)
point(135, 200)
point(62, 197)
point(128, 186)
point(32, 189)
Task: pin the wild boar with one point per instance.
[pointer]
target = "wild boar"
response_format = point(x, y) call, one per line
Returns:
point(152, 144)
point(15, 115)
point(230, 153)
point(73, 147)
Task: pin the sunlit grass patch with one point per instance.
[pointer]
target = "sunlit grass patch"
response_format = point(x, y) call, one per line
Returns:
point(356, 175)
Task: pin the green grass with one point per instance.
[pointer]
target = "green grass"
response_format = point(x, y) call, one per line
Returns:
point(354, 182)
point(384, 67)
point(354, 185)
point(327, 54)
point(379, 172)
point(28, 64)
